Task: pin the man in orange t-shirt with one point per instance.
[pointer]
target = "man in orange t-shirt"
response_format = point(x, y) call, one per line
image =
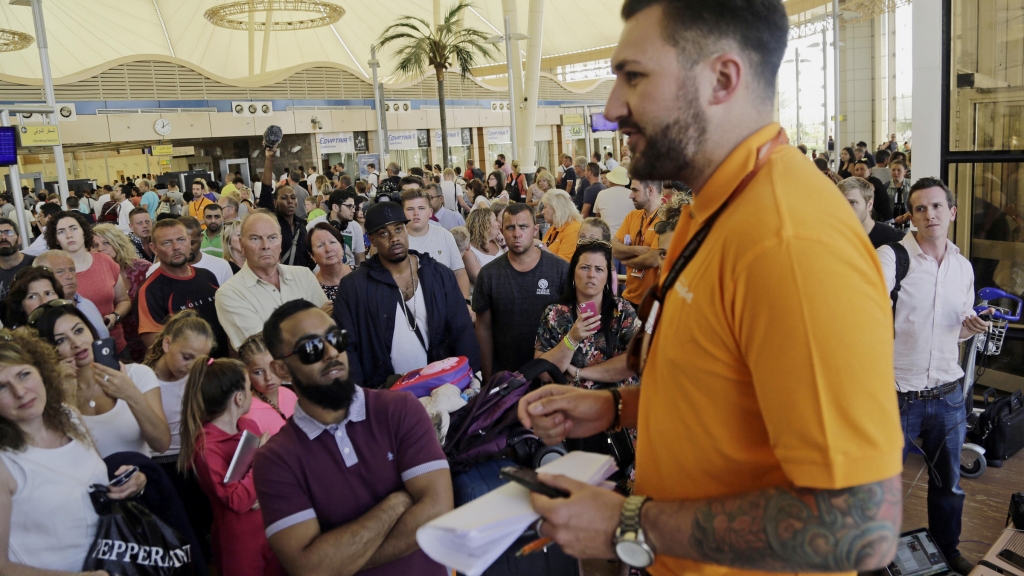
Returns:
point(769, 436)
point(635, 242)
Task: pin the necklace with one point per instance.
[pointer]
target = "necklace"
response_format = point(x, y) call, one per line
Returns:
point(412, 280)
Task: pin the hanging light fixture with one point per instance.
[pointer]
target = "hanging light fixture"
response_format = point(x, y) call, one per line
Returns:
point(12, 40)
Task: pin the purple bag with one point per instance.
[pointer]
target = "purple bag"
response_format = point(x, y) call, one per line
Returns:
point(480, 430)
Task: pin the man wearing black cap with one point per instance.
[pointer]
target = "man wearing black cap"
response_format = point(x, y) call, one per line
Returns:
point(402, 310)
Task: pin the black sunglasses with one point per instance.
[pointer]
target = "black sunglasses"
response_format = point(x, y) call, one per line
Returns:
point(38, 312)
point(312, 351)
point(590, 241)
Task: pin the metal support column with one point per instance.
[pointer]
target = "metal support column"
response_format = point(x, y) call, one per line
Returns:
point(378, 104)
point(51, 101)
point(835, 52)
point(531, 88)
point(511, 87)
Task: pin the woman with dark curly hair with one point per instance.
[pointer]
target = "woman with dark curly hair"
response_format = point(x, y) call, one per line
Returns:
point(47, 463)
point(32, 287)
point(99, 277)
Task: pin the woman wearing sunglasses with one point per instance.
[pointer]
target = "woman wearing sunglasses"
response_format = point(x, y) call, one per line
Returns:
point(272, 404)
point(47, 464)
point(121, 408)
point(32, 287)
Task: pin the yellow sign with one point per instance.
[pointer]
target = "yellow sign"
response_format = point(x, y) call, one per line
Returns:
point(577, 132)
point(572, 120)
point(39, 136)
point(163, 150)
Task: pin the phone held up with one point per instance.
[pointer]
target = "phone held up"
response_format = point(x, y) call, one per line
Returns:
point(104, 352)
point(592, 308)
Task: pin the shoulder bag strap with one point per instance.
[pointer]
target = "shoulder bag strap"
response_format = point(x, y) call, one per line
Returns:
point(902, 267)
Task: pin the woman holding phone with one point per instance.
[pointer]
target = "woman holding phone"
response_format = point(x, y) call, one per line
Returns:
point(47, 464)
point(587, 331)
point(121, 407)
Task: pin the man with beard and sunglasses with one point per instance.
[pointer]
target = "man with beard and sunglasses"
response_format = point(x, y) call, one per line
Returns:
point(402, 309)
point(784, 397)
point(353, 474)
point(177, 286)
point(11, 259)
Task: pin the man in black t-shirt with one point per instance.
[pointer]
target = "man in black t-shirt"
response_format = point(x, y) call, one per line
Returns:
point(512, 292)
point(176, 286)
point(569, 179)
point(861, 195)
point(883, 206)
point(11, 260)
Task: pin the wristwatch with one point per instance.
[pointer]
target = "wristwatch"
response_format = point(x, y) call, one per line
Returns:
point(630, 545)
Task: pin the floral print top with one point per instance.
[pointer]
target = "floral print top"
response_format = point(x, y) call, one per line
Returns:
point(558, 320)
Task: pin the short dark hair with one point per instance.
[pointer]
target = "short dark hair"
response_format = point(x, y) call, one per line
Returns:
point(411, 180)
point(272, 336)
point(821, 163)
point(49, 209)
point(209, 207)
point(295, 175)
point(759, 27)
point(929, 182)
point(338, 197)
point(862, 144)
point(416, 171)
point(10, 223)
point(191, 223)
point(594, 168)
point(518, 208)
point(881, 156)
point(345, 180)
point(73, 202)
point(238, 180)
point(51, 230)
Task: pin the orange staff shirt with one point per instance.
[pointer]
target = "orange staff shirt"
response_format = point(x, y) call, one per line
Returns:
point(772, 364)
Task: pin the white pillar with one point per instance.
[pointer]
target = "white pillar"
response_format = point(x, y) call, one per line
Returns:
point(528, 116)
point(927, 112)
point(515, 59)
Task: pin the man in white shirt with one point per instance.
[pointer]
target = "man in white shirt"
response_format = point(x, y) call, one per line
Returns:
point(448, 219)
point(248, 299)
point(372, 179)
point(613, 203)
point(218, 266)
point(341, 205)
point(39, 245)
point(430, 238)
point(609, 161)
point(450, 190)
point(933, 313)
point(105, 197)
point(63, 268)
point(124, 221)
point(311, 181)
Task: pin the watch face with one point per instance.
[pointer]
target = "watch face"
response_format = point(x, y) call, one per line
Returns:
point(635, 554)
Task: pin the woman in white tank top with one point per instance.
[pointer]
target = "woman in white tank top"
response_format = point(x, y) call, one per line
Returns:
point(484, 230)
point(47, 462)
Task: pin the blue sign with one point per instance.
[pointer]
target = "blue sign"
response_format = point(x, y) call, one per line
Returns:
point(8, 146)
point(363, 159)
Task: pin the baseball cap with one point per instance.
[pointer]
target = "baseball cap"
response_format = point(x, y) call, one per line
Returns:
point(383, 213)
point(618, 175)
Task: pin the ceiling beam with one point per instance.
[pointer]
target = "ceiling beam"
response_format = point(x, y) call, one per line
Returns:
point(550, 62)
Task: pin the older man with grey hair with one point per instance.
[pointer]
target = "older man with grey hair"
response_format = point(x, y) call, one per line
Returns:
point(861, 195)
point(63, 267)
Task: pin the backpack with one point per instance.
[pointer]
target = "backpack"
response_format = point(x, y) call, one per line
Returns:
point(487, 426)
point(387, 190)
point(902, 267)
point(1000, 428)
point(374, 182)
point(164, 206)
point(110, 212)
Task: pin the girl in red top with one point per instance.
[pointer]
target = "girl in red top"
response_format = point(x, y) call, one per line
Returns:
point(217, 396)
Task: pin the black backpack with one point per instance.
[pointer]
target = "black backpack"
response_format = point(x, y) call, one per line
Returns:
point(387, 190)
point(902, 267)
point(1000, 428)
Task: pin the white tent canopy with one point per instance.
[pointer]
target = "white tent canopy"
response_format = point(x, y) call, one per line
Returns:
point(84, 34)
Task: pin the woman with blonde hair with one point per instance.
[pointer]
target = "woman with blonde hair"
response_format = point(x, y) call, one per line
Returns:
point(217, 397)
point(233, 245)
point(544, 182)
point(565, 220)
point(110, 240)
point(484, 230)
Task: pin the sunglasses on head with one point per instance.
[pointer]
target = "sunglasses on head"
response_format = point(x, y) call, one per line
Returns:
point(38, 312)
point(312, 351)
point(27, 270)
point(590, 241)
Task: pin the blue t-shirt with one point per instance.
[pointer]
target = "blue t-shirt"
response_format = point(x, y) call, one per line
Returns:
point(150, 201)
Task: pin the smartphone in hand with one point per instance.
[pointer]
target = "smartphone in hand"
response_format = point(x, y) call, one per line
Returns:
point(528, 478)
point(592, 308)
point(124, 477)
point(104, 352)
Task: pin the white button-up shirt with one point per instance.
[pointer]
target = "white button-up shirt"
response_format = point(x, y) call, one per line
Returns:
point(245, 301)
point(933, 302)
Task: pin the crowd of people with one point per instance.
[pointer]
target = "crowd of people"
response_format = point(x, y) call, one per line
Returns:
point(288, 310)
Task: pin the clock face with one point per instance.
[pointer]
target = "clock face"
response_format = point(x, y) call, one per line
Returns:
point(162, 127)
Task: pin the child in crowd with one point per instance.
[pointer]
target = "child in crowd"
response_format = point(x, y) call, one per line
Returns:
point(461, 235)
point(272, 405)
point(217, 396)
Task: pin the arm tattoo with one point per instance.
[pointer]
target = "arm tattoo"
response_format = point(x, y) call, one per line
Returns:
point(799, 529)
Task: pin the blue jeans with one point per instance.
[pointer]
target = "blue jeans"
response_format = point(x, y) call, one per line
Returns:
point(941, 425)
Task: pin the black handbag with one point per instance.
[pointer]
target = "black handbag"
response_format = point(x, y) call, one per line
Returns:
point(1000, 429)
point(1016, 513)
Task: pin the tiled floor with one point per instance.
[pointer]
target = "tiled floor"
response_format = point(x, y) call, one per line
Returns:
point(988, 498)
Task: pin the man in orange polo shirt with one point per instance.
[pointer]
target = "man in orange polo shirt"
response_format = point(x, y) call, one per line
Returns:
point(768, 433)
point(634, 243)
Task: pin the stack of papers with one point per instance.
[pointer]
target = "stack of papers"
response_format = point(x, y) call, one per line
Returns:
point(471, 537)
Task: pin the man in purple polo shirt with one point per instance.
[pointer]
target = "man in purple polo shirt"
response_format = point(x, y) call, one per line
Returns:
point(354, 473)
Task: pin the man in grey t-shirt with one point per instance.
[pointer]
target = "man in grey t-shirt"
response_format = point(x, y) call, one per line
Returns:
point(511, 293)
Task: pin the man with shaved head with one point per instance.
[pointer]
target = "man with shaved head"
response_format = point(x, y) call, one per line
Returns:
point(246, 300)
point(63, 268)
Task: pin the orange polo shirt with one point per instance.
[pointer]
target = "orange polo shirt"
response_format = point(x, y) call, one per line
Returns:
point(640, 229)
point(772, 364)
point(196, 208)
point(562, 241)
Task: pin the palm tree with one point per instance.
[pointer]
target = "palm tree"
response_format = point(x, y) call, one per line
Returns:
point(422, 45)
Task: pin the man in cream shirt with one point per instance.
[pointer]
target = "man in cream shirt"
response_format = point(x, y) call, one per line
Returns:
point(263, 284)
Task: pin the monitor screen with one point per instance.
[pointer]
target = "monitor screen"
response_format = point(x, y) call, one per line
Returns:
point(8, 146)
point(917, 555)
point(599, 123)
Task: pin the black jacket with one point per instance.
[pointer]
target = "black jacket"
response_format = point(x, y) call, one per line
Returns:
point(366, 308)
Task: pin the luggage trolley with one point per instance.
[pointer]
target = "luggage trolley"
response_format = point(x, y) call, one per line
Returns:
point(972, 456)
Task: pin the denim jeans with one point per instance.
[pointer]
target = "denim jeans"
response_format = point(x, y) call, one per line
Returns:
point(941, 425)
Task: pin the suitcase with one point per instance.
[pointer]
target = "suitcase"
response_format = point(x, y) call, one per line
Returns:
point(1000, 428)
point(480, 480)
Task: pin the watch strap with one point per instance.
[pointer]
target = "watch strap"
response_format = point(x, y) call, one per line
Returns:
point(629, 520)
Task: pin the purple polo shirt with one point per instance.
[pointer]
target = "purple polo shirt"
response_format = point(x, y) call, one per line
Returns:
point(337, 474)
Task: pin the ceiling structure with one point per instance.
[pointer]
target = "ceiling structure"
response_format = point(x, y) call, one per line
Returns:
point(85, 34)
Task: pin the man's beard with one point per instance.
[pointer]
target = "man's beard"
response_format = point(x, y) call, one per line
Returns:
point(395, 259)
point(213, 228)
point(335, 396)
point(670, 151)
point(8, 250)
